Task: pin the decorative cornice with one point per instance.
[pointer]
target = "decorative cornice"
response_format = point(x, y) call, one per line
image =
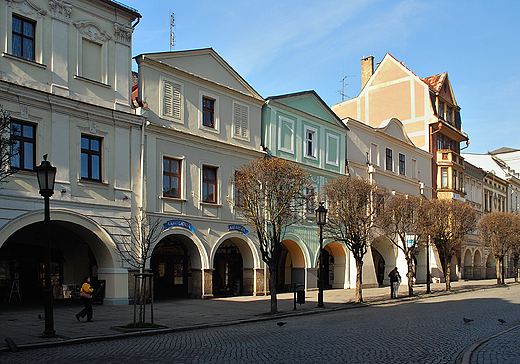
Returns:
point(27, 7)
point(123, 33)
point(93, 31)
point(60, 9)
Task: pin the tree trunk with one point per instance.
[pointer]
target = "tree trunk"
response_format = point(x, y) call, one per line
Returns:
point(447, 275)
point(359, 288)
point(409, 274)
point(273, 288)
point(498, 269)
point(515, 268)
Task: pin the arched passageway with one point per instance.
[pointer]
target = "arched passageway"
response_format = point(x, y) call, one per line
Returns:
point(335, 258)
point(171, 265)
point(227, 270)
point(468, 265)
point(478, 271)
point(291, 269)
point(491, 267)
point(79, 247)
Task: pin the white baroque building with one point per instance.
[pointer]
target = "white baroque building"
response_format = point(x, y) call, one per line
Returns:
point(65, 79)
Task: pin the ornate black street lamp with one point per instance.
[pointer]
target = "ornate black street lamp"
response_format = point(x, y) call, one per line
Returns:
point(321, 220)
point(46, 176)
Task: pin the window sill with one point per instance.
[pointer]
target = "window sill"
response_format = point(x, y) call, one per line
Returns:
point(311, 157)
point(16, 58)
point(94, 82)
point(86, 182)
point(210, 204)
point(209, 129)
point(176, 199)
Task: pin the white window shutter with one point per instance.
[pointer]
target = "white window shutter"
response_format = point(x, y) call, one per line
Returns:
point(171, 99)
point(241, 120)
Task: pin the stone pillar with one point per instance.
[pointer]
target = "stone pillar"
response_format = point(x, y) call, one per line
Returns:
point(196, 283)
point(248, 281)
point(260, 282)
point(312, 279)
point(207, 276)
point(116, 285)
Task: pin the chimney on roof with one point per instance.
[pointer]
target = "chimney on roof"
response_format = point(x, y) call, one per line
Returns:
point(367, 69)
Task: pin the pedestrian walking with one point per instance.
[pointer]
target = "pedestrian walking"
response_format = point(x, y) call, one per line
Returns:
point(86, 297)
point(395, 280)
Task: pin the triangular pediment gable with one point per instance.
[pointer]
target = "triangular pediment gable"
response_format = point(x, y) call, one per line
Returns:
point(394, 128)
point(389, 70)
point(207, 64)
point(309, 102)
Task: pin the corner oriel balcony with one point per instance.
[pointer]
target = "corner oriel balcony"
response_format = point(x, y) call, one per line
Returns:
point(450, 174)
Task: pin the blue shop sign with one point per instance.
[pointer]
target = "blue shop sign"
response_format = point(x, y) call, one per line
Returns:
point(180, 223)
point(240, 228)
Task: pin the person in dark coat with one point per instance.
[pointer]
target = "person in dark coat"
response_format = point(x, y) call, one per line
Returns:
point(395, 280)
point(86, 297)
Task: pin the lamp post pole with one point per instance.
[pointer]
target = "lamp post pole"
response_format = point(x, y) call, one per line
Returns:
point(428, 278)
point(321, 220)
point(46, 176)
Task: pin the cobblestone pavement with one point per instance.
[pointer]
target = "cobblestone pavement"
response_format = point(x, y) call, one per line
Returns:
point(429, 330)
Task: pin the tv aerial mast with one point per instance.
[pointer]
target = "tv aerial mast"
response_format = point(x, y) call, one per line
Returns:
point(172, 34)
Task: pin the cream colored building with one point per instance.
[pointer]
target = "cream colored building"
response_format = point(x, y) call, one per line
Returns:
point(65, 80)
point(386, 156)
point(204, 122)
point(427, 109)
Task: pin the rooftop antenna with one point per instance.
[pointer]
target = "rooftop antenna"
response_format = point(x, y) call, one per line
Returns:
point(343, 84)
point(172, 34)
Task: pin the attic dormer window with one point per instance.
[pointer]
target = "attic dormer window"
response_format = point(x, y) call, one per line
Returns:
point(449, 112)
point(441, 109)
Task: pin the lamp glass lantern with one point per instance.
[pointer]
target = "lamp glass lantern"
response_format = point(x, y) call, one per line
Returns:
point(321, 215)
point(46, 174)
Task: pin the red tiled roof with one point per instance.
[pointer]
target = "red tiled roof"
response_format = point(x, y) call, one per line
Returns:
point(436, 82)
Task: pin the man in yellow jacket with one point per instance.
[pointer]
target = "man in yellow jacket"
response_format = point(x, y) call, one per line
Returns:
point(86, 297)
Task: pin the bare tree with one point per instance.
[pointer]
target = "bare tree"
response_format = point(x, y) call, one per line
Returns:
point(136, 250)
point(499, 231)
point(8, 147)
point(447, 221)
point(270, 196)
point(515, 244)
point(400, 221)
point(351, 218)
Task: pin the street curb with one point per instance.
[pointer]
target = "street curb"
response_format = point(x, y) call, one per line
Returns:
point(348, 305)
point(467, 355)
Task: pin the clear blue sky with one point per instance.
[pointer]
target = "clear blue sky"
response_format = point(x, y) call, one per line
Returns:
point(282, 47)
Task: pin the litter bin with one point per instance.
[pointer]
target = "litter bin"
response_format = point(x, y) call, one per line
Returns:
point(299, 294)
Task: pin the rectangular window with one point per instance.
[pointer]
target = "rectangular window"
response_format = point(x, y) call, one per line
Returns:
point(402, 164)
point(24, 149)
point(389, 160)
point(90, 158)
point(444, 177)
point(239, 195)
point(171, 177)
point(414, 168)
point(441, 109)
point(23, 38)
point(91, 61)
point(311, 142)
point(241, 120)
point(333, 150)
point(209, 184)
point(374, 155)
point(449, 111)
point(286, 135)
point(310, 201)
point(172, 99)
point(461, 184)
point(454, 180)
point(208, 112)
